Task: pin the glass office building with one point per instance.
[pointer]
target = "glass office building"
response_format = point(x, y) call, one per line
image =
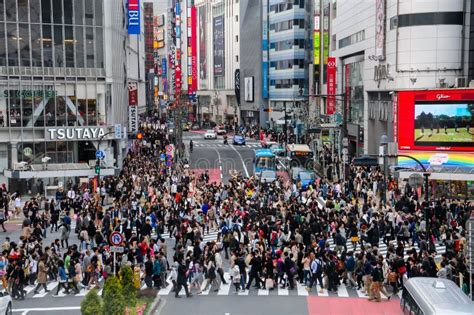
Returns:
point(288, 30)
point(52, 78)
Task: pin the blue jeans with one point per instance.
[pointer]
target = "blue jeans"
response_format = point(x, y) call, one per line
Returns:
point(306, 276)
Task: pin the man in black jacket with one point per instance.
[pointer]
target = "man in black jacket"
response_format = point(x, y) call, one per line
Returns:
point(255, 269)
point(181, 281)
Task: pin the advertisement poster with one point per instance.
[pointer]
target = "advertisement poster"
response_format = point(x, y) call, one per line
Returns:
point(194, 48)
point(438, 120)
point(265, 64)
point(202, 43)
point(132, 93)
point(331, 80)
point(237, 85)
point(133, 18)
point(248, 81)
point(218, 36)
point(133, 118)
point(317, 41)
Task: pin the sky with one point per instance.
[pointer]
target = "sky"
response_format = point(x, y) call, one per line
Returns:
point(438, 109)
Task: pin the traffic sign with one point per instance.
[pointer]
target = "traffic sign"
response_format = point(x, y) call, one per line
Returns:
point(169, 149)
point(162, 156)
point(99, 154)
point(116, 238)
point(116, 249)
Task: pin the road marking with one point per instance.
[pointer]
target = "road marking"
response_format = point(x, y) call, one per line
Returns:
point(224, 288)
point(283, 291)
point(50, 287)
point(342, 291)
point(301, 289)
point(45, 309)
point(242, 160)
point(220, 161)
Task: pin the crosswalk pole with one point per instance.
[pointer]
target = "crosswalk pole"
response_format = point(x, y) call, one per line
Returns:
point(115, 262)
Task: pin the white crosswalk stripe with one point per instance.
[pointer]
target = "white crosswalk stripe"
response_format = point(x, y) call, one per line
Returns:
point(220, 145)
point(300, 290)
point(383, 248)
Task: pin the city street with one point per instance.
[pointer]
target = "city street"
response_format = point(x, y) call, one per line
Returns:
point(220, 158)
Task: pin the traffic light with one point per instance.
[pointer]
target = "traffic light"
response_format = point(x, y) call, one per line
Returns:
point(139, 136)
point(97, 169)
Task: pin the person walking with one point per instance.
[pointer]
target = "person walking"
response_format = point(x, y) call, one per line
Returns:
point(63, 283)
point(377, 280)
point(42, 275)
point(181, 280)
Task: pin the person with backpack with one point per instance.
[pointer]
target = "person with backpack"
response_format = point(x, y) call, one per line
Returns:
point(316, 274)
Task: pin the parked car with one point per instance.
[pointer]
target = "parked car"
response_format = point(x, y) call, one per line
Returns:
point(268, 176)
point(185, 127)
point(210, 134)
point(5, 303)
point(238, 140)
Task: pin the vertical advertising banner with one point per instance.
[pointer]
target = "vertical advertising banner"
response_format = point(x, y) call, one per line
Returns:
point(190, 48)
point(317, 41)
point(331, 80)
point(380, 28)
point(177, 57)
point(132, 93)
point(237, 85)
point(202, 43)
point(326, 20)
point(218, 36)
point(133, 118)
point(265, 64)
point(248, 82)
point(194, 48)
point(347, 87)
point(133, 17)
point(164, 74)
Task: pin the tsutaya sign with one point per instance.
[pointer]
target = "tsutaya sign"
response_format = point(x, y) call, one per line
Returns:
point(75, 133)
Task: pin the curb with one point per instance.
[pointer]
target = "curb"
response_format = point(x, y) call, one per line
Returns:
point(155, 305)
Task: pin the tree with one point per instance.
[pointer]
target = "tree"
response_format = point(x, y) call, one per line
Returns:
point(128, 289)
point(91, 305)
point(114, 303)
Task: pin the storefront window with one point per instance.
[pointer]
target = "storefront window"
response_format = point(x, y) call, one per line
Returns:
point(91, 113)
point(24, 44)
point(12, 40)
point(3, 48)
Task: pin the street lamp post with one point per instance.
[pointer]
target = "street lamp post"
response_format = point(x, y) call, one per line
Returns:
point(384, 146)
point(97, 163)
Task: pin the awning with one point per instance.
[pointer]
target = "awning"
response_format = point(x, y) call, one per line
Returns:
point(59, 170)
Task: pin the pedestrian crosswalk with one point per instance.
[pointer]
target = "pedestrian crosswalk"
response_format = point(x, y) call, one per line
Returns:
point(343, 291)
point(221, 145)
point(207, 237)
point(383, 248)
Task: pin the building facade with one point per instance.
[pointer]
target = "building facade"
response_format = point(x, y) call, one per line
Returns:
point(386, 46)
point(64, 67)
point(218, 59)
point(288, 55)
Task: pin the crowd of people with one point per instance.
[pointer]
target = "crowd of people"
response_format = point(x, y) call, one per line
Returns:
point(269, 235)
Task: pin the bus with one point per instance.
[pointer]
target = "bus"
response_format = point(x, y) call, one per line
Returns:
point(434, 296)
point(264, 160)
point(300, 155)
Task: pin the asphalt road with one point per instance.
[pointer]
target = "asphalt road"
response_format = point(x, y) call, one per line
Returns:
point(220, 158)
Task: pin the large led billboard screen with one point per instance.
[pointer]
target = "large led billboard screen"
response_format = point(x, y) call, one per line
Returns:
point(437, 120)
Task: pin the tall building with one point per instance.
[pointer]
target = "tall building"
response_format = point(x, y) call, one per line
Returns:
point(288, 56)
point(254, 84)
point(218, 59)
point(64, 68)
point(385, 46)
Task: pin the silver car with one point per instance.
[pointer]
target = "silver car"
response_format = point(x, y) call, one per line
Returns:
point(268, 176)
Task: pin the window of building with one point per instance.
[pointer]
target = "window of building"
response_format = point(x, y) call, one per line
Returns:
point(236, 18)
point(90, 47)
point(67, 6)
point(3, 48)
point(352, 39)
point(47, 40)
point(24, 44)
point(46, 11)
point(79, 12)
point(79, 46)
point(58, 46)
point(89, 12)
point(236, 58)
point(10, 10)
point(57, 11)
point(22, 10)
point(236, 38)
point(12, 41)
point(35, 11)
